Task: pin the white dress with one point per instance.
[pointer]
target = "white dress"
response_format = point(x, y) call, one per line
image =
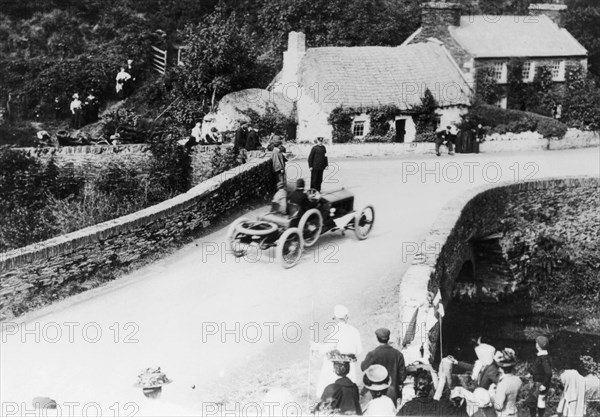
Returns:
point(382, 406)
point(346, 339)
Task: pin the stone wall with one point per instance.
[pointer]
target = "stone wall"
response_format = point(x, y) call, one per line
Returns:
point(478, 213)
point(117, 243)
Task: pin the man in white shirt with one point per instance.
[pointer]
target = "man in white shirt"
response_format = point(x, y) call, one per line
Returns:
point(344, 338)
point(122, 79)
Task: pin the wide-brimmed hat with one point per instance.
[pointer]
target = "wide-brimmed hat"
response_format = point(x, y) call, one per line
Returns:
point(376, 378)
point(505, 358)
point(152, 378)
point(336, 356)
point(300, 183)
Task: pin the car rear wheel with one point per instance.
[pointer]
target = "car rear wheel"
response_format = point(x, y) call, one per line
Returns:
point(233, 243)
point(289, 247)
point(311, 225)
point(363, 222)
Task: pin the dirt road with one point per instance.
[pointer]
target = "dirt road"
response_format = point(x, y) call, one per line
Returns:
point(231, 327)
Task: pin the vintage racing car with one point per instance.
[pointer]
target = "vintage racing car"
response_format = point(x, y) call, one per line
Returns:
point(289, 234)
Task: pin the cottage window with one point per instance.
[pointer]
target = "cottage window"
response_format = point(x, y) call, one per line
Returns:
point(359, 129)
point(527, 70)
point(498, 71)
point(557, 68)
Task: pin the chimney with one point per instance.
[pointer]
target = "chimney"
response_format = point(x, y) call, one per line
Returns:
point(553, 9)
point(437, 16)
point(295, 52)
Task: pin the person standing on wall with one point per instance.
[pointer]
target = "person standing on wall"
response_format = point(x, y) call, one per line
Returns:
point(317, 163)
point(76, 110)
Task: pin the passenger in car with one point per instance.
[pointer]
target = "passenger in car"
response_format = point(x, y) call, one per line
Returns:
point(279, 203)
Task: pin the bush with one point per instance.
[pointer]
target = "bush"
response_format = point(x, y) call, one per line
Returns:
point(272, 121)
point(223, 159)
point(426, 137)
point(380, 119)
point(516, 121)
point(171, 167)
point(388, 137)
point(341, 121)
point(550, 128)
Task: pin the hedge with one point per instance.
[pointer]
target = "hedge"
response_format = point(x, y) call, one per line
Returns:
point(516, 121)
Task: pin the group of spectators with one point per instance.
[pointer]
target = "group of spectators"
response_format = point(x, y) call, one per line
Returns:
point(82, 112)
point(466, 140)
point(493, 390)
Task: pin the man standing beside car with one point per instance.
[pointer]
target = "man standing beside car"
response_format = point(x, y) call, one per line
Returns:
point(317, 162)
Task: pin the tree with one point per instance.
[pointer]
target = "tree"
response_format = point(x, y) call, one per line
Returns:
point(582, 20)
point(219, 57)
point(581, 105)
point(517, 90)
point(425, 116)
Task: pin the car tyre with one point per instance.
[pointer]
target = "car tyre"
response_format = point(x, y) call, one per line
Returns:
point(311, 225)
point(289, 247)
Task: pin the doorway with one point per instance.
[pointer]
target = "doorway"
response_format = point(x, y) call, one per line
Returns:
point(400, 130)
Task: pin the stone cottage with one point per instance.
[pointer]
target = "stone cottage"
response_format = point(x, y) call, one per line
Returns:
point(476, 41)
point(319, 80)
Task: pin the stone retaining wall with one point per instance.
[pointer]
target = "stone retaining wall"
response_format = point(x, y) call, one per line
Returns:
point(475, 214)
point(119, 242)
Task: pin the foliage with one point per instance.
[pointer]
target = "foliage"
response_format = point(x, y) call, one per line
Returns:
point(516, 121)
point(25, 187)
point(219, 58)
point(590, 365)
point(541, 97)
point(517, 90)
point(582, 20)
point(581, 105)
point(425, 115)
point(486, 87)
point(380, 119)
point(223, 159)
point(187, 112)
point(341, 121)
point(171, 167)
point(559, 275)
point(426, 137)
point(272, 121)
point(387, 137)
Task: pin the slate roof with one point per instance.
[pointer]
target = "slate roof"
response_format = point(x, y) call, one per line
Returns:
point(371, 76)
point(514, 36)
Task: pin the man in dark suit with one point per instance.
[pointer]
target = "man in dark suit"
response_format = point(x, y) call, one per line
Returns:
point(241, 136)
point(252, 141)
point(317, 162)
point(392, 359)
point(299, 198)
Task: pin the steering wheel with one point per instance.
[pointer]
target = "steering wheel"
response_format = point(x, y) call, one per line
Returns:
point(313, 195)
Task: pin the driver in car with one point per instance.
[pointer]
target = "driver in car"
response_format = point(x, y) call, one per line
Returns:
point(299, 198)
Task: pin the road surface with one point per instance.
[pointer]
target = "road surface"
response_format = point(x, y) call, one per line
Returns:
point(224, 330)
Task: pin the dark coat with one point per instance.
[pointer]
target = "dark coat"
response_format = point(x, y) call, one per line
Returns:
point(393, 361)
point(541, 370)
point(300, 198)
point(490, 375)
point(428, 407)
point(240, 138)
point(252, 141)
point(317, 158)
point(342, 396)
